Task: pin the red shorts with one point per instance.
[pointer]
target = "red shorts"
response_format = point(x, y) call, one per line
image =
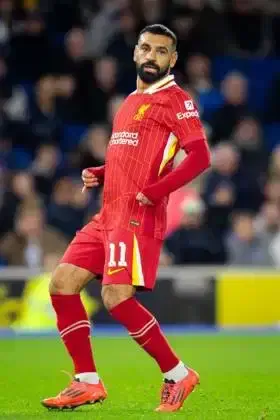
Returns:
point(121, 256)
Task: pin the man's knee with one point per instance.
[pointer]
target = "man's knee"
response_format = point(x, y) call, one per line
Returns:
point(67, 279)
point(114, 294)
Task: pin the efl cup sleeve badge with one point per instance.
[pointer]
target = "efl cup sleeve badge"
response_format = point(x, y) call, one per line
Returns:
point(190, 112)
point(189, 105)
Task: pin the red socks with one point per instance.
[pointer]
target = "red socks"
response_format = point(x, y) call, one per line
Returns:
point(74, 328)
point(145, 330)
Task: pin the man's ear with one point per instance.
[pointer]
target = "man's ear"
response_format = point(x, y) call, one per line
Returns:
point(174, 59)
point(135, 53)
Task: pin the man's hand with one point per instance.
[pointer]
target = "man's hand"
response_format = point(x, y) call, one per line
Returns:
point(143, 200)
point(89, 179)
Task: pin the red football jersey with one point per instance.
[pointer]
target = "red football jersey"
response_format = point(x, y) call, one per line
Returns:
point(148, 130)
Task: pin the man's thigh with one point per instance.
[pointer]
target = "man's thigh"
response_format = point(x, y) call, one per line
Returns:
point(131, 259)
point(87, 250)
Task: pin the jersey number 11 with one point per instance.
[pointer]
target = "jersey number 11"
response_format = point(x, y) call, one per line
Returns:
point(121, 246)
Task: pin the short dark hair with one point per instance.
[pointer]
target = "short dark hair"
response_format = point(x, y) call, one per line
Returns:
point(158, 29)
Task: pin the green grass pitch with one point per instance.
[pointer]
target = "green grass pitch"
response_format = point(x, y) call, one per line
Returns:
point(240, 378)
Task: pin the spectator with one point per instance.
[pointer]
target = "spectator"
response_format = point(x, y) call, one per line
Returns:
point(235, 90)
point(150, 11)
point(273, 10)
point(113, 106)
point(92, 149)
point(198, 72)
point(68, 207)
point(45, 126)
point(105, 73)
point(270, 224)
point(68, 106)
point(45, 168)
point(274, 165)
point(5, 154)
point(267, 227)
point(75, 73)
point(182, 24)
point(103, 26)
point(6, 130)
point(121, 48)
point(122, 45)
point(74, 48)
point(28, 42)
point(81, 76)
point(62, 16)
point(21, 191)
point(272, 190)
point(31, 240)
point(193, 242)
point(244, 246)
point(247, 136)
point(271, 113)
point(267, 222)
point(219, 192)
point(242, 15)
point(15, 99)
point(102, 88)
point(201, 28)
point(91, 152)
point(7, 11)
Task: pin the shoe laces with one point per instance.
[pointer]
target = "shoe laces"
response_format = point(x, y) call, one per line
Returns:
point(65, 391)
point(67, 374)
point(166, 392)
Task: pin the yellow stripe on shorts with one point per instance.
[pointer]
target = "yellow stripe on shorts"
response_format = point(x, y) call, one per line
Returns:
point(137, 273)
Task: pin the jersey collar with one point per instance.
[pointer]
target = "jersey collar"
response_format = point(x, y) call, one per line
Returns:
point(164, 83)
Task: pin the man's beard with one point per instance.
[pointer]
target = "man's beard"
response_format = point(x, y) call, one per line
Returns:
point(151, 77)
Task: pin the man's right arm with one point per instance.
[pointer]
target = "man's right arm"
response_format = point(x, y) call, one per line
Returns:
point(98, 171)
point(184, 122)
point(93, 176)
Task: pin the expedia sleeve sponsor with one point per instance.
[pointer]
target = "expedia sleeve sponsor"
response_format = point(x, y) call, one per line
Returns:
point(187, 115)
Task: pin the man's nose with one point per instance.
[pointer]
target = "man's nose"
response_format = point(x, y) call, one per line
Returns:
point(151, 55)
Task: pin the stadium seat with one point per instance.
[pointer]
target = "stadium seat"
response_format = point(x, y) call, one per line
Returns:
point(209, 102)
point(272, 135)
point(259, 72)
point(72, 135)
point(19, 159)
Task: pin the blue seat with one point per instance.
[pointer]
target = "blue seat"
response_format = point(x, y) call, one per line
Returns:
point(209, 102)
point(28, 88)
point(19, 159)
point(260, 73)
point(3, 262)
point(72, 136)
point(272, 135)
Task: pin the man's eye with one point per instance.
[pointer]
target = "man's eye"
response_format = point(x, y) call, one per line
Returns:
point(144, 48)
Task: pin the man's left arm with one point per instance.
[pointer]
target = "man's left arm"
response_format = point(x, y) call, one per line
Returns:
point(184, 122)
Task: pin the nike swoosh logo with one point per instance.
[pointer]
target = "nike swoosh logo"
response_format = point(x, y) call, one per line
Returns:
point(110, 272)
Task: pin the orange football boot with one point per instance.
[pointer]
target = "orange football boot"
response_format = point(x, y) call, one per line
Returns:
point(173, 394)
point(77, 394)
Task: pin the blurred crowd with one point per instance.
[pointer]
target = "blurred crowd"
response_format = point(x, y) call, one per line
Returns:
point(65, 68)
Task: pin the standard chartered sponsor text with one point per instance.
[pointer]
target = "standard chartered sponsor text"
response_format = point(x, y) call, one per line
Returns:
point(124, 137)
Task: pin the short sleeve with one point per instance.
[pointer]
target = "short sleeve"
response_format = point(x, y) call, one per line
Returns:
point(183, 119)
